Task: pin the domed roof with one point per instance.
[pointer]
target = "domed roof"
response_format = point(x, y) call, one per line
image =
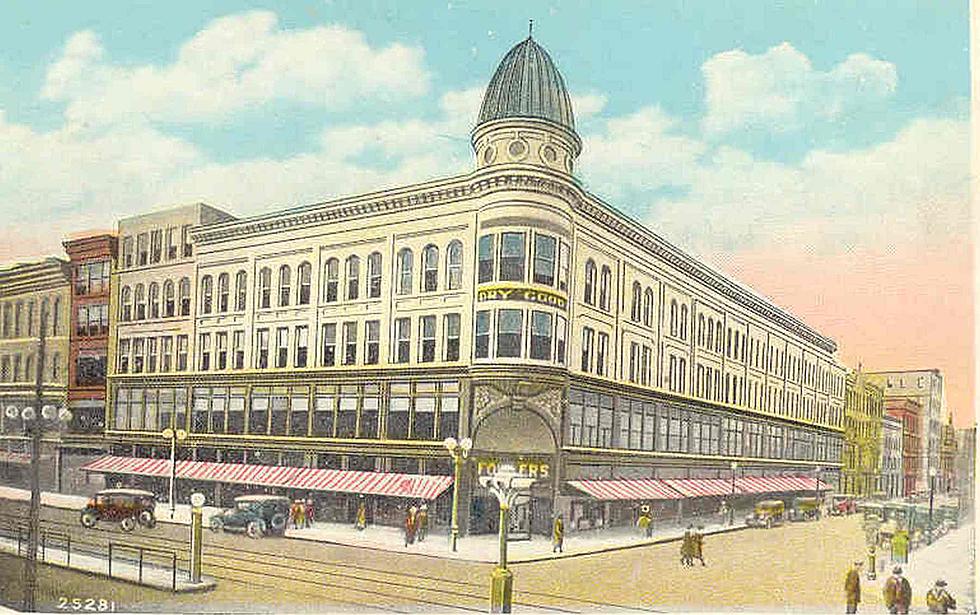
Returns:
point(527, 84)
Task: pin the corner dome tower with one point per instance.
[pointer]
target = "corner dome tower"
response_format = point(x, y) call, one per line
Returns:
point(526, 116)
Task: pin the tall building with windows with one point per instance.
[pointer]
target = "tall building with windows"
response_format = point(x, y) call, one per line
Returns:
point(342, 341)
point(892, 478)
point(908, 411)
point(863, 412)
point(946, 477)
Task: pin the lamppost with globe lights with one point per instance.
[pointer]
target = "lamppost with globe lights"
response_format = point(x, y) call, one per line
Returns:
point(197, 513)
point(459, 451)
point(174, 435)
point(505, 484)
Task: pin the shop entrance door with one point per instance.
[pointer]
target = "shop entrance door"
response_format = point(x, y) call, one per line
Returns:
point(521, 514)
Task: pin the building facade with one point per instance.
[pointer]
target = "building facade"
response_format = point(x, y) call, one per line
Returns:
point(946, 478)
point(907, 411)
point(892, 477)
point(925, 386)
point(965, 467)
point(508, 305)
point(863, 411)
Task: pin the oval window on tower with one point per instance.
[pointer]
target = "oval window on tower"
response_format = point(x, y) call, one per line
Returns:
point(548, 154)
point(517, 149)
point(489, 154)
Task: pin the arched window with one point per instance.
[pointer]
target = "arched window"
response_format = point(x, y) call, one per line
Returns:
point(711, 334)
point(169, 299)
point(374, 275)
point(207, 294)
point(331, 277)
point(699, 335)
point(139, 299)
point(55, 316)
point(154, 300)
point(304, 274)
point(430, 268)
point(125, 304)
point(635, 302)
point(719, 336)
point(673, 317)
point(224, 284)
point(605, 280)
point(404, 271)
point(589, 289)
point(648, 307)
point(265, 287)
point(241, 290)
point(353, 267)
point(284, 285)
point(454, 265)
point(683, 322)
point(184, 292)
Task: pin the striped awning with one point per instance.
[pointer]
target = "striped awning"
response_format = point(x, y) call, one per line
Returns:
point(778, 484)
point(627, 489)
point(700, 487)
point(10, 457)
point(417, 486)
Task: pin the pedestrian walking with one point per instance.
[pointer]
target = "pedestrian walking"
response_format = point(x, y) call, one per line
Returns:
point(360, 521)
point(939, 600)
point(300, 513)
point(897, 592)
point(410, 525)
point(723, 512)
point(293, 514)
point(900, 547)
point(308, 513)
point(687, 547)
point(645, 521)
point(852, 587)
point(422, 521)
point(558, 535)
point(698, 545)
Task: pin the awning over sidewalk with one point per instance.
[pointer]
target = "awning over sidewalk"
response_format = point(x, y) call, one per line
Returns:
point(778, 484)
point(417, 486)
point(10, 457)
point(700, 487)
point(627, 489)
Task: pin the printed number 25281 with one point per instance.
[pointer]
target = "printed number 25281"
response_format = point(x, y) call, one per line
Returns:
point(95, 605)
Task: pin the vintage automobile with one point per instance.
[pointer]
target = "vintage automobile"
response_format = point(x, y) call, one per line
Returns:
point(130, 507)
point(767, 513)
point(950, 514)
point(805, 509)
point(255, 515)
point(842, 504)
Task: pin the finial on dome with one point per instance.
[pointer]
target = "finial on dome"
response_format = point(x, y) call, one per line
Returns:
point(530, 27)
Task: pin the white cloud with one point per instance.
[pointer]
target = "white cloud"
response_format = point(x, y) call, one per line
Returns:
point(588, 105)
point(779, 91)
point(235, 62)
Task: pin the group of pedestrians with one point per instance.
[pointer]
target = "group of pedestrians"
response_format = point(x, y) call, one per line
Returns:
point(416, 524)
point(301, 514)
point(897, 592)
point(692, 546)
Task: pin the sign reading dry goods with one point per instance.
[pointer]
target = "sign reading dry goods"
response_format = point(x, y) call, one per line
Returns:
point(522, 293)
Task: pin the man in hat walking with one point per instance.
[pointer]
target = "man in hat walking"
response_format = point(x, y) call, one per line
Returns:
point(897, 592)
point(939, 600)
point(852, 587)
point(422, 521)
point(558, 535)
point(645, 522)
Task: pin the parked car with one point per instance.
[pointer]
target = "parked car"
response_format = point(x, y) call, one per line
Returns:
point(130, 507)
point(767, 513)
point(254, 515)
point(805, 509)
point(842, 505)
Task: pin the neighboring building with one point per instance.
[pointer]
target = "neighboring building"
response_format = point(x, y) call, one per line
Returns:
point(947, 457)
point(26, 291)
point(508, 305)
point(926, 386)
point(892, 483)
point(965, 466)
point(908, 412)
point(863, 411)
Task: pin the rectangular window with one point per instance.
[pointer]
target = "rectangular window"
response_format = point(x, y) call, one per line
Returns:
point(602, 352)
point(138, 355)
point(185, 239)
point(485, 253)
point(156, 246)
point(634, 361)
point(510, 324)
point(588, 338)
point(403, 339)
point(372, 342)
point(282, 347)
point(450, 326)
point(302, 346)
point(142, 249)
point(258, 415)
point(347, 412)
point(564, 258)
point(181, 353)
point(323, 411)
point(221, 350)
point(127, 252)
point(541, 336)
point(262, 348)
point(328, 345)
point(238, 349)
point(645, 364)
point(205, 341)
point(236, 411)
point(561, 331)
point(166, 353)
point(350, 343)
point(399, 411)
point(367, 426)
point(427, 339)
point(151, 355)
point(423, 423)
point(299, 412)
point(123, 357)
point(171, 243)
point(481, 341)
point(512, 251)
point(544, 259)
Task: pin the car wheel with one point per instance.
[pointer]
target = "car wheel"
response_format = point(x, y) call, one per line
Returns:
point(254, 529)
point(217, 524)
point(147, 519)
point(278, 523)
point(128, 524)
point(89, 518)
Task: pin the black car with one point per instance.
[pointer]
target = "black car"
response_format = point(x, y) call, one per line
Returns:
point(255, 515)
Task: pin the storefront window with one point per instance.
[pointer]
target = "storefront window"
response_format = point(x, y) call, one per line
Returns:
point(370, 407)
point(347, 412)
point(485, 257)
point(482, 335)
point(236, 411)
point(258, 416)
point(299, 411)
point(399, 410)
point(423, 424)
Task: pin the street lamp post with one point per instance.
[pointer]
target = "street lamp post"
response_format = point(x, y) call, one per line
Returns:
point(932, 493)
point(459, 451)
point(174, 435)
point(505, 484)
point(197, 502)
point(731, 507)
point(816, 480)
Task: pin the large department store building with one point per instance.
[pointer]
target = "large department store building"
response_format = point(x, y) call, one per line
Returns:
point(329, 349)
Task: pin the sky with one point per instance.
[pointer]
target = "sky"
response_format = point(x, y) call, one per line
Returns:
point(816, 151)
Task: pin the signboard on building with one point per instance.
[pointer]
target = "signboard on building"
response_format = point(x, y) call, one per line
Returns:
point(518, 292)
point(534, 468)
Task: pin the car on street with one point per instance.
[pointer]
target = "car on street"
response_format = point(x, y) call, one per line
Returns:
point(805, 509)
point(254, 515)
point(767, 513)
point(842, 505)
point(128, 507)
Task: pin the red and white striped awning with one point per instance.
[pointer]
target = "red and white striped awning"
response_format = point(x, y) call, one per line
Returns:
point(778, 484)
point(627, 489)
point(417, 486)
point(700, 487)
point(10, 457)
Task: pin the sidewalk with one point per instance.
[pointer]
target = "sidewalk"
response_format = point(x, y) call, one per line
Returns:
point(485, 547)
point(950, 558)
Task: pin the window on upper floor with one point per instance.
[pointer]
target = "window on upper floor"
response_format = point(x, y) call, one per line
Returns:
point(265, 288)
point(683, 322)
point(353, 267)
point(207, 294)
point(224, 283)
point(127, 252)
point(139, 301)
point(590, 282)
point(285, 285)
point(374, 275)
point(405, 259)
point(125, 307)
point(605, 287)
point(544, 259)
point(142, 249)
point(648, 307)
point(512, 255)
point(718, 336)
point(636, 302)
point(588, 339)
point(331, 280)
point(510, 326)
point(430, 269)
point(304, 274)
point(154, 300)
point(241, 290)
point(169, 299)
point(454, 265)
point(451, 334)
point(184, 290)
point(709, 338)
point(541, 331)
point(485, 254)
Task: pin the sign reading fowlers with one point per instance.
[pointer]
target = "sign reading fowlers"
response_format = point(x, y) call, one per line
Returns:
point(522, 293)
point(534, 468)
